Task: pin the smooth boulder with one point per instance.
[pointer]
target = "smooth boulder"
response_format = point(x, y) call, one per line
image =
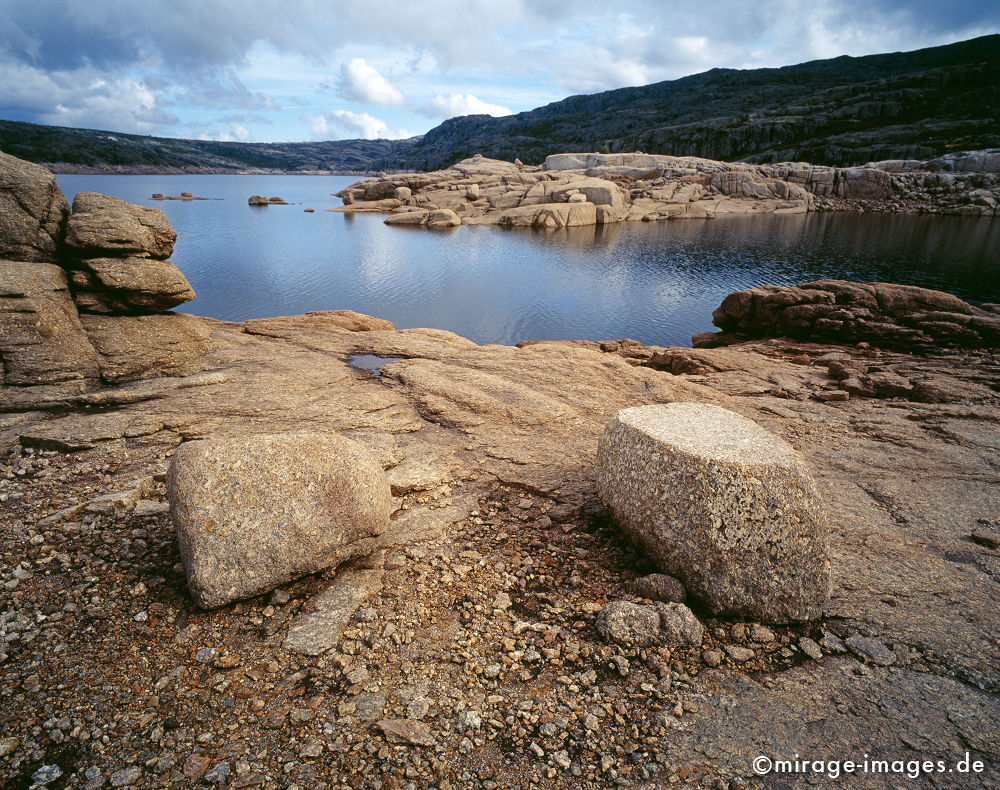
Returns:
point(104, 225)
point(254, 512)
point(722, 504)
point(33, 211)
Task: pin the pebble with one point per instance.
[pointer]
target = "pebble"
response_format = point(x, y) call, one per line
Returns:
point(810, 648)
point(218, 773)
point(45, 775)
point(738, 653)
point(126, 776)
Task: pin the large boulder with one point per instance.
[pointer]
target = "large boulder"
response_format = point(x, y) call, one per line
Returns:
point(597, 190)
point(129, 285)
point(719, 502)
point(146, 346)
point(893, 316)
point(255, 512)
point(32, 211)
point(41, 339)
point(101, 225)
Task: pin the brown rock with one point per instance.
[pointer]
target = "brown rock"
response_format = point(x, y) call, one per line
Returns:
point(146, 346)
point(252, 513)
point(141, 284)
point(406, 731)
point(103, 225)
point(32, 211)
point(41, 339)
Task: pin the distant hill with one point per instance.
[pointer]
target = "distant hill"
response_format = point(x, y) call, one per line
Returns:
point(842, 111)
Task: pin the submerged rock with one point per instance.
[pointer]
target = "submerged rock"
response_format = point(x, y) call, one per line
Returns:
point(255, 512)
point(721, 503)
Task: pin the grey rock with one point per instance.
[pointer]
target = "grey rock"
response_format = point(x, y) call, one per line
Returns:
point(218, 773)
point(101, 225)
point(721, 503)
point(146, 346)
point(41, 338)
point(870, 650)
point(738, 653)
point(759, 633)
point(126, 776)
point(635, 625)
point(325, 617)
point(810, 648)
point(406, 731)
point(45, 775)
point(33, 211)
point(254, 512)
point(659, 587)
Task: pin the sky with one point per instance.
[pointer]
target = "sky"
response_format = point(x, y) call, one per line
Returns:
point(295, 70)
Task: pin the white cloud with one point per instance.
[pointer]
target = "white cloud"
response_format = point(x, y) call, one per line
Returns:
point(363, 83)
point(237, 134)
point(347, 124)
point(461, 104)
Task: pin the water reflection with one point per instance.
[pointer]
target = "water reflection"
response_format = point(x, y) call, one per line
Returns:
point(655, 282)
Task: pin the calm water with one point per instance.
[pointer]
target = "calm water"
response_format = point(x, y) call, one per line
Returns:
point(655, 282)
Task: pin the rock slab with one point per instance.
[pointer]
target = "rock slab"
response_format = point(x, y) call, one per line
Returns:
point(319, 628)
point(254, 512)
point(722, 504)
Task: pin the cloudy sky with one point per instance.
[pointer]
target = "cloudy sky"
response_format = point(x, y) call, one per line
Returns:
point(269, 70)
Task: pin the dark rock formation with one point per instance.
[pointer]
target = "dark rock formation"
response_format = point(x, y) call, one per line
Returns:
point(883, 314)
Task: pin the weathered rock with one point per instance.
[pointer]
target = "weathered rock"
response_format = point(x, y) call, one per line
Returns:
point(253, 513)
point(146, 346)
point(41, 338)
point(257, 200)
point(636, 625)
point(659, 587)
point(721, 503)
point(406, 731)
point(32, 211)
point(136, 284)
point(442, 218)
point(101, 225)
point(320, 627)
point(883, 314)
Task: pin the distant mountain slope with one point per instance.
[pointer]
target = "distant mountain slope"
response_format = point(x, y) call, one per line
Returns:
point(110, 150)
point(841, 111)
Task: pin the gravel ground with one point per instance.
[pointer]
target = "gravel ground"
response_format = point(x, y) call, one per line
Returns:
point(477, 665)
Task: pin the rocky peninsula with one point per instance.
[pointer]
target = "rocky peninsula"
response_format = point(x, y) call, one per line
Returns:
point(586, 189)
point(491, 624)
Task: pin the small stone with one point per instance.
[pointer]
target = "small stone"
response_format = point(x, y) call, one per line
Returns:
point(406, 731)
point(738, 653)
point(561, 758)
point(870, 650)
point(492, 671)
point(126, 776)
point(502, 601)
point(832, 643)
point(45, 775)
point(218, 773)
point(810, 648)
point(313, 747)
point(9, 745)
point(195, 766)
point(712, 658)
point(469, 720)
point(279, 598)
point(759, 633)
point(659, 587)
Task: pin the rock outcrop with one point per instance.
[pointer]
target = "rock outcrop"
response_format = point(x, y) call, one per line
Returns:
point(719, 502)
point(41, 338)
point(256, 512)
point(33, 211)
point(883, 314)
point(99, 314)
point(646, 187)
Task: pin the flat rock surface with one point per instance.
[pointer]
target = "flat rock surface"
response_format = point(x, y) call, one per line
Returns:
point(514, 432)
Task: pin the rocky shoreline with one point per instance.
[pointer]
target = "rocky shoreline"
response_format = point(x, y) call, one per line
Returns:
point(476, 641)
point(586, 189)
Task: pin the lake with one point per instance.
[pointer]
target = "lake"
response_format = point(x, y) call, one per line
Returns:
point(654, 282)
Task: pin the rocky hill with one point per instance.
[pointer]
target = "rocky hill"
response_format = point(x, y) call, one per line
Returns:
point(843, 111)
